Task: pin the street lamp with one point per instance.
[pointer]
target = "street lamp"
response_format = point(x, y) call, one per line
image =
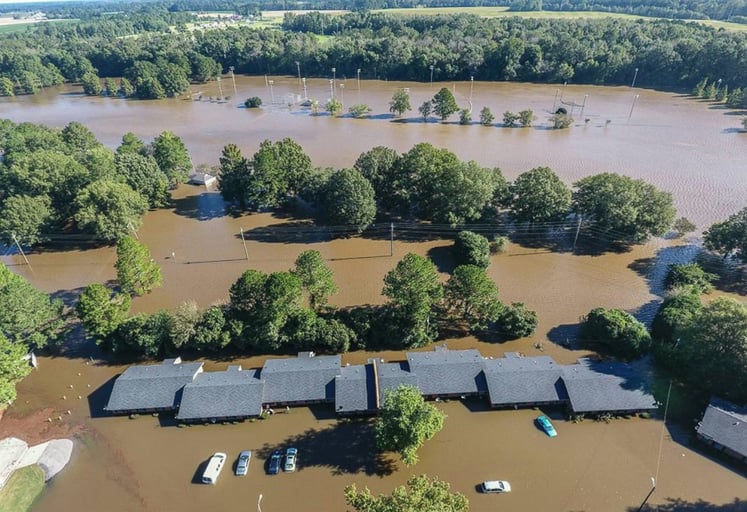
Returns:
point(298, 68)
point(359, 79)
point(342, 95)
point(233, 78)
point(272, 93)
point(635, 98)
point(431, 66)
point(635, 75)
point(220, 89)
point(305, 96)
point(653, 488)
point(331, 89)
point(718, 85)
point(334, 76)
point(471, 86)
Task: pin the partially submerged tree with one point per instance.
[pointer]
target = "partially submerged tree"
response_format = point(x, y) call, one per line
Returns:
point(137, 272)
point(472, 297)
point(729, 238)
point(420, 495)
point(471, 249)
point(316, 278)
point(615, 331)
point(400, 102)
point(539, 196)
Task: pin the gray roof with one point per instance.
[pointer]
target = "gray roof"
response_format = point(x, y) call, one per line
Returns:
point(231, 393)
point(151, 386)
point(306, 378)
point(355, 389)
point(605, 387)
point(726, 424)
point(448, 372)
point(516, 380)
point(393, 375)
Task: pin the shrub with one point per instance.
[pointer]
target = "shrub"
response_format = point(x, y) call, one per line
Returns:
point(471, 249)
point(253, 102)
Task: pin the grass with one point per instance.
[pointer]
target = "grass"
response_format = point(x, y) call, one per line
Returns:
point(22, 489)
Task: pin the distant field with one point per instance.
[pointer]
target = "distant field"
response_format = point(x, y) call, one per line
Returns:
point(10, 25)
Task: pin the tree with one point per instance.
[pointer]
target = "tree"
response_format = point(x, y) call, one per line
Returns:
point(539, 196)
point(471, 249)
point(509, 119)
point(316, 278)
point(78, 138)
point(144, 176)
point(486, 117)
point(13, 368)
point(6, 86)
point(465, 116)
point(623, 208)
point(26, 218)
point(729, 237)
point(526, 118)
point(333, 106)
point(616, 331)
point(471, 296)
point(126, 88)
point(444, 104)
point(91, 84)
point(699, 89)
point(141, 334)
point(400, 102)
point(280, 169)
point(234, 178)
point(421, 495)
point(683, 226)
point(689, 274)
point(131, 143)
point(378, 167)
point(414, 288)
point(172, 157)
point(561, 120)
point(109, 209)
point(137, 272)
point(253, 102)
point(744, 123)
point(101, 311)
point(28, 317)
point(676, 312)
point(516, 321)
point(425, 110)
point(183, 321)
point(210, 331)
point(359, 110)
point(110, 86)
point(349, 200)
point(405, 422)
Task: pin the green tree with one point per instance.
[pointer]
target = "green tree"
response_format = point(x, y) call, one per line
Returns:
point(509, 119)
point(234, 178)
point(183, 321)
point(126, 88)
point(615, 331)
point(91, 84)
point(471, 249)
point(253, 102)
point(378, 166)
point(689, 274)
point(334, 107)
point(28, 316)
point(561, 120)
point(316, 278)
point(131, 143)
point(729, 237)
point(710, 91)
point(348, 199)
point(173, 79)
point(700, 87)
point(516, 321)
point(425, 110)
point(405, 422)
point(744, 123)
point(280, 169)
point(137, 272)
point(78, 138)
point(539, 196)
point(414, 288)
point(172, 157)
point(25, 217)
point(111, 87)
point(420, 495)
point(624, 208)
point(676, 312)
point(144, 176)
point(6, 86)
point(465, 116)
point(359, 110)
point(526, 118)
point(141, 334)
point(400, 102)
point(101, 311)
point(444, 104)
point(210, 333)
point(109, 209)
point(486, 117)
point(471, 296)
point(683, 226)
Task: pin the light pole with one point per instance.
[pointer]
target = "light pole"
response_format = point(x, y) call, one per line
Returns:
point(635, 98)
point(431, 66)
point(342, 96)
point(635, 75)
point(718, 85)
point(233, 78)
point(259, 500)
point(305, 96)
point(334, 79)
point(331, 89)
point(298, 68)
point(220, 90)
point(272, 93)
point(471, 87)
point(359, 79)
point(653, 488)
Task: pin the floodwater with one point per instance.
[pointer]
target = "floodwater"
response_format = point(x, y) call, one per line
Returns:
point(149, 464)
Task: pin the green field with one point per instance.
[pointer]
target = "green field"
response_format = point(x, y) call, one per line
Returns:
point(22, 27)
point(23, 487)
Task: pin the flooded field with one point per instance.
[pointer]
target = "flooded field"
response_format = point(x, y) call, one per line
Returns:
point(149, 464)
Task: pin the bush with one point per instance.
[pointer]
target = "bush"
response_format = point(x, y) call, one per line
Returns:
point(465, 116)
point(526, 118)
point(689, 274)
point(471, 249)
point(499, 244)
point(359, 110)
point(683, 225)
point(616, 332)
point(253, 102)
point(516, 321)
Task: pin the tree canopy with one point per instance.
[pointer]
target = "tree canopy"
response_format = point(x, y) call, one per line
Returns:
point(539, 196)
point(137, 272)
point(348, 200)
point(316, 278)
point(729, 237)
point(615, 331)
point(421, 494)
point(471, 249)
point(109, 209)
point(471, 296)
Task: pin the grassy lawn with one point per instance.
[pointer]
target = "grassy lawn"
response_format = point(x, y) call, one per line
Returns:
point(23, 487)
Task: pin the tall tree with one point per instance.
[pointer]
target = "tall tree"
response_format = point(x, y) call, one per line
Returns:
point(729, 238)
point(172, 157)
point(405, 422)
point(26, 218)
point(79, 138)
point(137, 272)
point(377, 165)
point(400, 102)
point(616, 331)
point(515, 321)
point(12, 369)
point(444, 104)
point(539, 196)
point(420, 495)
point(280, 169)
point(316, 278)
point(131, 143)
point(234, 179)
point(143, 174)
point(472, 297)
point(101, 311)
point(348, 199)
point(91, 84)
point(109, 210)
point(471, 249)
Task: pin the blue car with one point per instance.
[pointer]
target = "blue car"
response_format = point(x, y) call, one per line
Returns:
point(273, 468)
point(544, 423)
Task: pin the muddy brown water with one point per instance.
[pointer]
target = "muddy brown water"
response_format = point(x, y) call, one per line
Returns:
point(148, 464)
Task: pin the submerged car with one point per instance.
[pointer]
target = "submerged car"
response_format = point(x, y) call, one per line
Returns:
point(544, 423)
point(273, 467)
point(290, 459)
point(495, 486)
point(242, 466)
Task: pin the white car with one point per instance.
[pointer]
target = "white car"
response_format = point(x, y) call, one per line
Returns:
point(495, 486)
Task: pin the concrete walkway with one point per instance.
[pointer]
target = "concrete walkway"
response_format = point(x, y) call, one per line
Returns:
point(51, 456)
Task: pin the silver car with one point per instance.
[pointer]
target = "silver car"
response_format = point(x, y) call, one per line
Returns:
point(242, 466)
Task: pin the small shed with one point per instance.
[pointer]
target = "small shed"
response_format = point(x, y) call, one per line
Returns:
point(202, 178)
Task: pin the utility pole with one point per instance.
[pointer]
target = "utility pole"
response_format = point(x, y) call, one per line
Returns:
point(578, 228)
point(220, 89)
point(653, 488)
point(298, 68)
point(391, 239)
point(233, 78)
point(635, 98)
point(359, 79)
point(20, 250)
point(635, 75)
point(243, 241)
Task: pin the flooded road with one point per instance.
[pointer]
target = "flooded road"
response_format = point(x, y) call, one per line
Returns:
point(149, 464)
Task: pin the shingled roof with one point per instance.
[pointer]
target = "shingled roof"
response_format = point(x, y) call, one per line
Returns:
point(355, 389)
point(605, 387)
point(726, 424)
point(151, 387)
point(229, 394)
point(303, 379)
point(523, 380)
point(393, 375)
point(448, 372)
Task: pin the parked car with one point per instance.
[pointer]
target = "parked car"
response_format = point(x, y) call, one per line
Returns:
point(544, 423)
point(242, 466)
point(273, 467)
point(290, 459)
point(495, 486)
point(213, 468)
